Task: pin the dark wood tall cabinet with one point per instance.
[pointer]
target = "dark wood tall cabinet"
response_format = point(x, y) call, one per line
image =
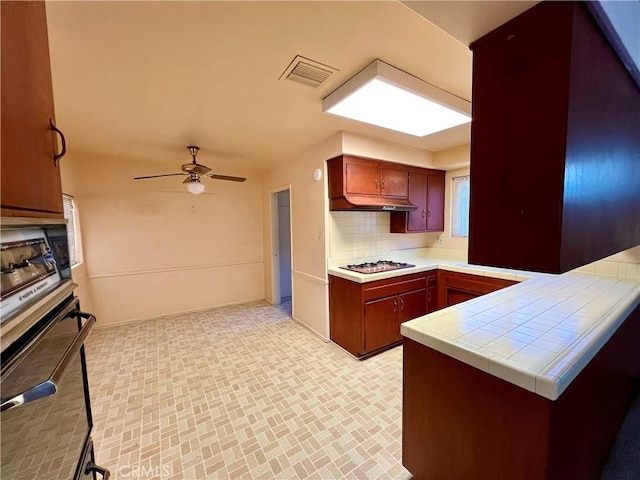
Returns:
point(555, 144)
point(30, 179)
point(426, 191)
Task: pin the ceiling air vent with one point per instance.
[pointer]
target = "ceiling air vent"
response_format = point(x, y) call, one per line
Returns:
point(309, 72)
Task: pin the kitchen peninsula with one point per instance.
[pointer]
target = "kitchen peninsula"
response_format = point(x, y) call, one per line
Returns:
point(533, 378)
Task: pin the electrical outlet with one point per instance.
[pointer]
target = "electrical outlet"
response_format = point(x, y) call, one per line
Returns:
point(439, 239)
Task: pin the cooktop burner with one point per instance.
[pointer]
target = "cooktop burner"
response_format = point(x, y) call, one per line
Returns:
point(376, 267)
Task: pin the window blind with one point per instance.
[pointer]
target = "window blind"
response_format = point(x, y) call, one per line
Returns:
point(68, 208)
point(460, 207)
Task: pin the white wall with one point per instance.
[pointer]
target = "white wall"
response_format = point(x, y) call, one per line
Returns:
point(151, 249)
point(79, 272)
point(309, 210)
point(360, 145)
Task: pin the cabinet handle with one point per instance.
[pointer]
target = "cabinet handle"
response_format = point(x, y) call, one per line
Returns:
point(376, 181)
point(58, 156)
point(383, 185)
point(424, 213)
point(401, 304)
point(428, 296)
point(395, 305)
point(428, 213)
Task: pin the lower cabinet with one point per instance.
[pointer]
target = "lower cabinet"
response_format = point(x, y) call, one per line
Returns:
point(432, 292)
point(456, 287)
point(382, 318)
point(366, 317)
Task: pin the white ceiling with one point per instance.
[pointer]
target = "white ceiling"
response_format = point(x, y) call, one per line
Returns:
point(145, 79)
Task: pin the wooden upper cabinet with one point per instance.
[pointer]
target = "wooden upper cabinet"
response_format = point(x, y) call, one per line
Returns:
point(416, 221)
point(364, 184)
point(362, 178)
point(435, 203)
point(394, 182)
point(426, 190)
point(555, 144)
point(371, 177)
point(30, 180)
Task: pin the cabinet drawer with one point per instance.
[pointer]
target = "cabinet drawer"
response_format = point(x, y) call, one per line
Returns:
point(394, 288)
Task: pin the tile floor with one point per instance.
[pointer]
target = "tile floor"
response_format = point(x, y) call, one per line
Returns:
point(241, 392)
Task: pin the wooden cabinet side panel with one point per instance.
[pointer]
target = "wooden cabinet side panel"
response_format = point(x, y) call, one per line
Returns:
point(601, 214)
point(520, 79)
point(459, 422)
point(589, 413)
point(346, 312)
point(335, 176)
point(30, 180)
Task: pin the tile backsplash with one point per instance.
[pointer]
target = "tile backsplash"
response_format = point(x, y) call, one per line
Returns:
point(610, 268)
point(359, 236)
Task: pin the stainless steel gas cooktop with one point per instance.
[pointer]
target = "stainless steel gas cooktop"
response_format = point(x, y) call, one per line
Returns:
point(377, 267)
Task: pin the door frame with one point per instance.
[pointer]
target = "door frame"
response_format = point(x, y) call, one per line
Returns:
point(275, 243)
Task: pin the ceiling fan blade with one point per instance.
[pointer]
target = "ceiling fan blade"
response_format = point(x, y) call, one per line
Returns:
point(156, 176)
point(226, 177)
point(189, 168)
point(201, 169)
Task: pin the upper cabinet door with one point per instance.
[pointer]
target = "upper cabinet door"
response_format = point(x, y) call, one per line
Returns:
point(417, 220)
point(362, 178)
point(30, 180)
point(394, 183)
point(435, 203)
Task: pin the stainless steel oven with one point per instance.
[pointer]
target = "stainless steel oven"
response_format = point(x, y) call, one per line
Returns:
point(45, 409)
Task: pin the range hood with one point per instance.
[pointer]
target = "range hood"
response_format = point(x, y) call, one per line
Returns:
point(367, 184)
point(367, 203)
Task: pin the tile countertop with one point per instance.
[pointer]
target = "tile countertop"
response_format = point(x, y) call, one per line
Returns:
point(538, 334)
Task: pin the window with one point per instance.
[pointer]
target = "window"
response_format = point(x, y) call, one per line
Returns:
point(73, 231)
point(460, 207)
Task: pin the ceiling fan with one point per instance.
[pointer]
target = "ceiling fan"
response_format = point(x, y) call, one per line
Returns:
point(194, 171)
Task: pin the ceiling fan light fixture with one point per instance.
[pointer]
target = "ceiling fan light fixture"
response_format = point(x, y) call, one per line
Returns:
point(195, 187)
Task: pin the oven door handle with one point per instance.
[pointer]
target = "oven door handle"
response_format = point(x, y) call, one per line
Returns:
point(92, 467)
point(50, 386)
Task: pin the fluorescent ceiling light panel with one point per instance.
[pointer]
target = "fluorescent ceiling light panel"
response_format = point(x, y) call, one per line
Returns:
point(387, 97)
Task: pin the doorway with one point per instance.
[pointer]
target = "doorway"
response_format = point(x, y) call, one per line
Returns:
point(281, 244)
